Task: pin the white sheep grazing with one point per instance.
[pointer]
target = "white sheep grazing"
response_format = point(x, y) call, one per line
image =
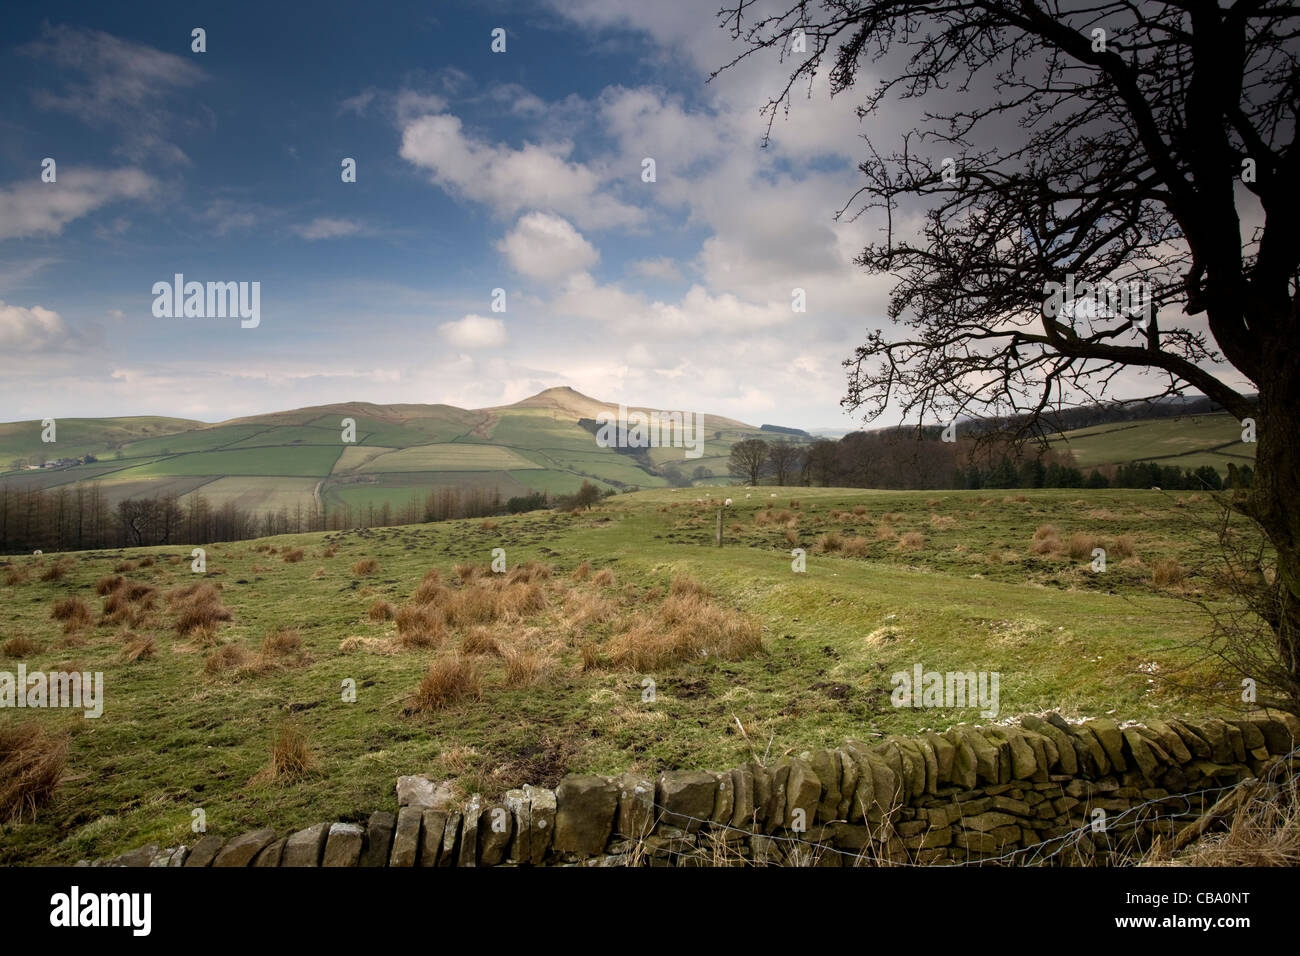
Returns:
point(746, 496)
point(727, 503)
point(772, 495)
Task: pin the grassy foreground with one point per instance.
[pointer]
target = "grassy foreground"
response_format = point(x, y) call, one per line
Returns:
point(542, 671)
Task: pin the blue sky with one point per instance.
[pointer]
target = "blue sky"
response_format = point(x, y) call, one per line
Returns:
point(476, 170)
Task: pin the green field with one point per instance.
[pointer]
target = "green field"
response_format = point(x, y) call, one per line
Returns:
point(534, 445)
point(950, 580)
point(1188, 442)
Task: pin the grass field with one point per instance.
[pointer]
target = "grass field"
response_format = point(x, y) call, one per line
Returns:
point(1189, 442)
point(953, 581)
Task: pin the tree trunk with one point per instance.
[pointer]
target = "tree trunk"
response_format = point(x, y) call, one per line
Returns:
point(1274, 499)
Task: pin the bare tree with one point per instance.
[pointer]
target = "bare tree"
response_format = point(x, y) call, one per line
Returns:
point(1111, 142)
point(783, 459)
point(748, 458)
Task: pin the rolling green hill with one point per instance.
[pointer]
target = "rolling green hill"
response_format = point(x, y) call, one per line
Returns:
point(1188, 442)
point(286, 459)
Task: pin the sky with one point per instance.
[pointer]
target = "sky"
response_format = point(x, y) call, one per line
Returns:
point(522, 170)
point(476, 170)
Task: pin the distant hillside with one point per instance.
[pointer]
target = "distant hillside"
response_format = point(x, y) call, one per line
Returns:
point(289, 458)
point(1189, 441)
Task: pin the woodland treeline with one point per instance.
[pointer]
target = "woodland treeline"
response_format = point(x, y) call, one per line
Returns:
point(81, 517)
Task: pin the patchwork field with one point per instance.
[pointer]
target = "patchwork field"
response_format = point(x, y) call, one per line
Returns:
point(494, 680)
point(534, 445)
point(1189, 442)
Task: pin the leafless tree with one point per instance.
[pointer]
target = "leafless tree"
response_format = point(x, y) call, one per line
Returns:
point(1113, 142)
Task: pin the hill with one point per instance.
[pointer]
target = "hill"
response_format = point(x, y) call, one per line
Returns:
point(290, 459)
point(1190, 441)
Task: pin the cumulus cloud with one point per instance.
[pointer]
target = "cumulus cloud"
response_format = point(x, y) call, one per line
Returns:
point(660, 267)
point(536, 176)
point(545, 246)
point(31, 329)
point(474, 332)
point(34, 208)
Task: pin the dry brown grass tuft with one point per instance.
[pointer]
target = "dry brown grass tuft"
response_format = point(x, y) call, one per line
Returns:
point(381, 610)
point(684, 586)
point(686, 627)
point(20, 647)
point(829, 543)
point(293, 556)
point(591, 656)
point(225, 658)
point(1125, 546)
point(525, 668)
point(582, 572)
point(329, 552)
point(365, 566)
point(1168, 572)
point(1080, 546)
point(791, 537)
point(420, 625)
point(450, 679)
point(855, 547)
point(479, 640)
point(489, 525)
point(911, 541)
point(885, 531)
point(432, 591)
point(291, 755)
point(942, 522)
point(603, 578)
point(16, 574)
point(284, 642)
point(31, 764)
point(109, 584)
point(468, 572)
point(57, 571)
point(136, 647)
point(197, 606)
point(859, 511)
point(124, 567)
point(147, 561)
point(73, 612)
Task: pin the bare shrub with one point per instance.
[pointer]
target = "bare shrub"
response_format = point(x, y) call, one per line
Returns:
point(364, 567)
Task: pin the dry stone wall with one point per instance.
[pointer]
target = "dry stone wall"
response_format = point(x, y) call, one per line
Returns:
point(1040, 789)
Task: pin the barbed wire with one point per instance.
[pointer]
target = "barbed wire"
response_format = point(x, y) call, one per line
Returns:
point(1034, 851)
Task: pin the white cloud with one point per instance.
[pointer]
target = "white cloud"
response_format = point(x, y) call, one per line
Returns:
point(661, 267)
point(125, 85)
point(42, 209)
point(324, 227)
point(474, 332)
point(545, 246)
point(537, 176)
point(31, 330)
